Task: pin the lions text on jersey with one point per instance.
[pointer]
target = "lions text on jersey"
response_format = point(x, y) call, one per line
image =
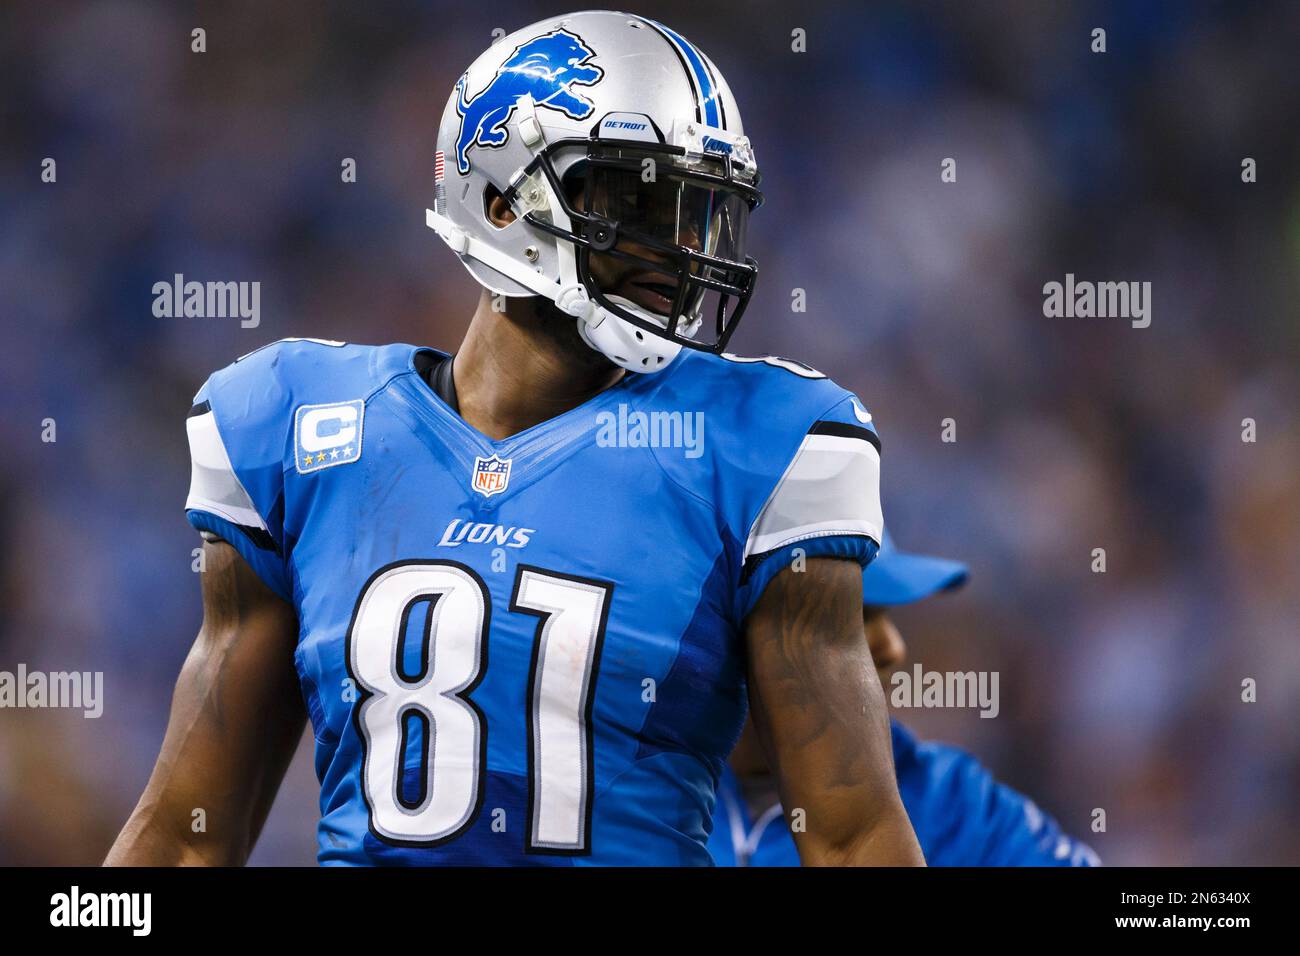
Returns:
point(527, 650)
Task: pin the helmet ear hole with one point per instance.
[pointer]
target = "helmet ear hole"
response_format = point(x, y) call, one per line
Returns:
point(496, 210)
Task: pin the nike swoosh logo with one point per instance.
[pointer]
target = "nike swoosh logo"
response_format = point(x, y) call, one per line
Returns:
point(862, 414)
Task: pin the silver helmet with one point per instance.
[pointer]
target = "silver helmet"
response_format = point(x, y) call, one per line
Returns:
point(619, 148)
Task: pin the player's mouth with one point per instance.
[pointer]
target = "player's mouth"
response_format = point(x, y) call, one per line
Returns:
point(651, 292)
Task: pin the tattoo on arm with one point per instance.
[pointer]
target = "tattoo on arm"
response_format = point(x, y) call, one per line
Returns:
point(820, 713)
point(816, 669)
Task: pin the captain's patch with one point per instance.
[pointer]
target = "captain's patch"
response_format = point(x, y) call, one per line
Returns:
point(327, 435)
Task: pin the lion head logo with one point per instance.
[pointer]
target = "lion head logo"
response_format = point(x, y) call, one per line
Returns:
point(545, 68)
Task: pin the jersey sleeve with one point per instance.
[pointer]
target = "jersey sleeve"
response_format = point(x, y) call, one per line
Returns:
point(963, 816)
point(825, 504)
point(237, 438)
point(1027, 836)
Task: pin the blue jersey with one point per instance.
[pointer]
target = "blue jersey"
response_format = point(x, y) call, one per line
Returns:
point(527, 650)
point(961, 815)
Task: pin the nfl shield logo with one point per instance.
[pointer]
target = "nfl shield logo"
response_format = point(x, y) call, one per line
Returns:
point(491, 475)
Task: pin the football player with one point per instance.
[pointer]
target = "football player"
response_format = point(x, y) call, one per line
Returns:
point(962, 816)
point(525, 593)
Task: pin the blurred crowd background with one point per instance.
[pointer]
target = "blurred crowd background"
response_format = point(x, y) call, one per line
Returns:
point(1119, 691)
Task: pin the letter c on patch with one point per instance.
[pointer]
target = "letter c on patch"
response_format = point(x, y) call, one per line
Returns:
point(325, 428)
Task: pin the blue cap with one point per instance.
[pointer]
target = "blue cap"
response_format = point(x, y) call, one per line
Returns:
point(896, 577)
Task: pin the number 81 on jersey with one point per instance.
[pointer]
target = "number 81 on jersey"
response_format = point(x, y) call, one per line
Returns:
point(572, 613)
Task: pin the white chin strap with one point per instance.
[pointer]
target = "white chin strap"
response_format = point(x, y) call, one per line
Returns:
point(617, 339)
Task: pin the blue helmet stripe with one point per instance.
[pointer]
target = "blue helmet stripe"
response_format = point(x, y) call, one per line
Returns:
point(708, 92)
point(703, 79)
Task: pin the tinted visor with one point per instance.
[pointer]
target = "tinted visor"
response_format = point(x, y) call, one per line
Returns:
point(666, 243)
point(670, 211)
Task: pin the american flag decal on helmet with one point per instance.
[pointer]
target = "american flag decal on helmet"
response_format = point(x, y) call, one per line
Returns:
point(439, 190)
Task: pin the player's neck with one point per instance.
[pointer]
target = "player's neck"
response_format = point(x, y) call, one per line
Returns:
point(522, 367)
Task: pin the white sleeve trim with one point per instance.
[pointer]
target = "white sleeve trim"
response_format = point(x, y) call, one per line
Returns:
point(214, 486)
point(832, 486)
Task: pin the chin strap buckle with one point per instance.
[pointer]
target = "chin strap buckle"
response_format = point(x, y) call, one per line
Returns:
point(574, 301)
point(451, 234)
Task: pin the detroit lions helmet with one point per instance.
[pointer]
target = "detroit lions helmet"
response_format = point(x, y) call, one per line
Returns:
point(620, 150)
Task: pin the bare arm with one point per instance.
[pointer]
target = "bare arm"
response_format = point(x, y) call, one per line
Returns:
point(819, 710)
point(236, 718)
